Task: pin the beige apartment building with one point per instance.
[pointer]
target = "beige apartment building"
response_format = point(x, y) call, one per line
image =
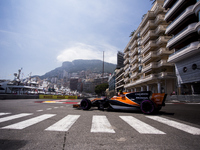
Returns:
point(146, 55)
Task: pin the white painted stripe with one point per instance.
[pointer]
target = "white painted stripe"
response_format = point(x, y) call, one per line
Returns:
point(1, 114)
point(140, 126)
point(177, 125)
point(39, 110)
point(14, 117)
point(101, 124)
point(55, 107)
point(64, 124)
point(49, 108)
point(29, 122)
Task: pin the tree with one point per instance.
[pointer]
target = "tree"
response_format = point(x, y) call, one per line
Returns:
point(132, 33)
point(101, 88)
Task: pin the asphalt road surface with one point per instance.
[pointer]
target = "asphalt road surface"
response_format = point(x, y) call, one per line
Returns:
point(33, 125)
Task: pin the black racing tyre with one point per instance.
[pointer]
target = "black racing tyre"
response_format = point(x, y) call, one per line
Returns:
point(86, 104)
point(147, 107)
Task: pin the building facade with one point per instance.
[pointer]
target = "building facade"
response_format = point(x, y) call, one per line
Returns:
point(184, 19)
point(146, 55)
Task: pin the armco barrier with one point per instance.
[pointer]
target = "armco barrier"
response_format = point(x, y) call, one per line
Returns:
point(57, 97)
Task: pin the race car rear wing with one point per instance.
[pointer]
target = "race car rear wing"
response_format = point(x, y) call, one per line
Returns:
point(159, 98)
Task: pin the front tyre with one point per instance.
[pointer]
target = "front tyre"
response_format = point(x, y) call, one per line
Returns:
point(147, 107)
point(86, 104)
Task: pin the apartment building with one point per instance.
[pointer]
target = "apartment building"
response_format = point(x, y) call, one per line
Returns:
point(119, 72)
point(184, 19)
point(146, 55)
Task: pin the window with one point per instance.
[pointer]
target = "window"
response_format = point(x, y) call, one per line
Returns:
point(184, 69)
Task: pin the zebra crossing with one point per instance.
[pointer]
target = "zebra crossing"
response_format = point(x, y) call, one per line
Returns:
point(99, 123)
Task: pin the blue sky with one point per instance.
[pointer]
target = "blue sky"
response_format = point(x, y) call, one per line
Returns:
point(38, 35)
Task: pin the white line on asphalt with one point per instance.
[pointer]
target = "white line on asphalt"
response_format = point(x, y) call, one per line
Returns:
point(29, 122)
point(49, 108)
point(1, 114)
point(55, 107)
point(177, 125)
point(64, 124)
point(140, 126)
point(39, 110)
point(101, 124)
point(14, 117)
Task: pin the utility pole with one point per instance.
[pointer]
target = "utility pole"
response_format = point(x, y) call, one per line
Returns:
point(103, 66)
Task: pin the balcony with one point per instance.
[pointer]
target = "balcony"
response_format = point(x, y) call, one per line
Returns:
point(134, 44)
point(162, 40)
point(149, 16)
point(150, 25)
point(149, 56)
point(150, 35)
point(168, 3)
point(126, 67)
point(126, 73)
point(132, 54)
point(164, 51)
point(134, 67)
point(150, 45)
point(164, 62)
point(126, 61)
point(142, 80)
point(166, 75)
point(185, 14)
point(196, 7)
point(126, 79)
point(185, 52)
point(126, 55)
point(173, 9)
point(160, 29)
point(134, 59)
point(159, 19)
point(149, 67)
point(127, 49)
point(181, 36)
point(158, 9)
point(134, 75)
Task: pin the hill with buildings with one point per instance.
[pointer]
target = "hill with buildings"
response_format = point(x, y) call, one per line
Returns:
point(94, 66)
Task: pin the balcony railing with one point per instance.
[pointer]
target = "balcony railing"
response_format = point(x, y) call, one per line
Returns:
point(150, 66)
point(164, 51)
point(180, 35)
point(148, 46)
point(134, 59)
point(148, 56)
point(172, 8)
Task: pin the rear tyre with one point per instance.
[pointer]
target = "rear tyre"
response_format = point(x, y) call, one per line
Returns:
point(147, 107)
point(86, 104)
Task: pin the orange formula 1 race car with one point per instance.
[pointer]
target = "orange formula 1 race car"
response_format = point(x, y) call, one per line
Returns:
point(129, 101)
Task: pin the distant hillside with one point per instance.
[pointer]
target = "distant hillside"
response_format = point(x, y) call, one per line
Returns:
point(79, 65)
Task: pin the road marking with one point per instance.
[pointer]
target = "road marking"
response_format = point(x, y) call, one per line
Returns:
point(55, 107)
point(140, 126)
point(39, 110)
point(1, 114)
point(14, 117)
point(64, 124)
point(49, 108)
point(177, 125)
point(101, 124)
point(29, 122)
